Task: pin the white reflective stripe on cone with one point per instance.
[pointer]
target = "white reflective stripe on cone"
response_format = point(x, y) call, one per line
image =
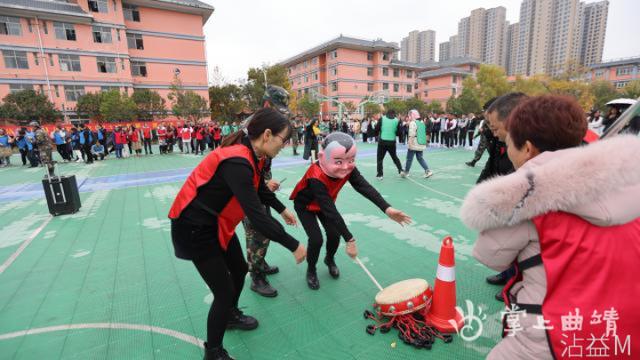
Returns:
point(446, 273)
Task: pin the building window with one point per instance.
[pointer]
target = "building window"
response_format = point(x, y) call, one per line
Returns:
point(334, 54)
point(369, 56)
point(98, 6)
point(385, 71)
point(131, 12)
point(623, 71)
point(599, 73)
point(14, 88)
point(426, 93)
point(51, 60)
point(370, 71)
point(306, 78)
point(73, 92)
point(122, 64)
point(454, 79)
point(425, 82)
point(10, 25)
point(621, 84)
point(102, 34)
point(64, 31)
point(408, 88)
point(118, 34)
point(15, 59)
point(106, 64)
point(315, 76)
point(415, 86)
point(396, 72)
point(385, 86)
point(385, 56)
point(453, 91)
point(138, 68)
point(334, 86)
point(134, 41)
point(396, 87)
point(369, 86)
point(314, 61)
point(35, 59)
point(109, 88)
point(44, 27)
point(69, 62)
point(57, 90)
point(409, 74)
point(29, 25)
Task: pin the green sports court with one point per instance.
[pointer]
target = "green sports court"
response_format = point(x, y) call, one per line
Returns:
point(104, 284)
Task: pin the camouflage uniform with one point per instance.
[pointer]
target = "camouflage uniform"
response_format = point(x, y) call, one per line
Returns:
point(257, 243)
point(43, 143)
point(294, 136)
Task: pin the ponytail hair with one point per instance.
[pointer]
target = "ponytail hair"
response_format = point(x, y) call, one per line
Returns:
point(263, 119)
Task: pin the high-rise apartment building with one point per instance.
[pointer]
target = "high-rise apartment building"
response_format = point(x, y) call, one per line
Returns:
point(419, 47)
point(444, 53)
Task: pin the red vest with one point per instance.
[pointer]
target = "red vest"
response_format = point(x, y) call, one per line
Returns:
point(162, 133)
point(146, 132)
point(232, 214)
point(315, 172)
point(592, 269)
point(120, 137)
point(134, 136)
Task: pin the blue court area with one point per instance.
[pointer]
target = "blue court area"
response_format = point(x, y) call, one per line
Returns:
point(104, 283)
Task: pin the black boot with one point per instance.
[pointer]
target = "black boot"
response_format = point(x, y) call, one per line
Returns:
point(260, 285)
point(470, 163)
point(216, 353)
point(499, 297)
point(333, 268)
point(240, 321)
point(497, 279)
point(312, 280)
point(270, 270)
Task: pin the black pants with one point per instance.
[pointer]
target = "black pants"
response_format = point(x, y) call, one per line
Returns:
point(62, 150)
point(223, 271)
point(147, 145)
point(435, 136)
point(384, 147)
point(309, 221)
point(470, 134)
point(462, 137)
point(24, 155)
point(86, 148)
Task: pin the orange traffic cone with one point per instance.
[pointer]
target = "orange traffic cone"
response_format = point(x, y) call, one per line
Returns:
point(443, 314)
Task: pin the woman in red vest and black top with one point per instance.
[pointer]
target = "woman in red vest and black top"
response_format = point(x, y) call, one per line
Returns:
point(314, 199)
point(224, 187)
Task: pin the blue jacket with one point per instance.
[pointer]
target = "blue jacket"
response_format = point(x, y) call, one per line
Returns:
point(58, 138)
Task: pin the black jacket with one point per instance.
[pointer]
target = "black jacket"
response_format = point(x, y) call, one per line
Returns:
point(498, 163)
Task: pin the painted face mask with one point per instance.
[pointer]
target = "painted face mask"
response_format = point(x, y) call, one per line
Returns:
point(338, 155)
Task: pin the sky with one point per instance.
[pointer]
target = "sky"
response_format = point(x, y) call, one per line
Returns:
point(241, 34)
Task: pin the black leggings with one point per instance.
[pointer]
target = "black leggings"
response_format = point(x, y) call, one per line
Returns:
point(224, 274)
point(385, 147)
point(309, 222)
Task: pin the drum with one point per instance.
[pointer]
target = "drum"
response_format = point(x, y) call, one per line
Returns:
point(404, 297)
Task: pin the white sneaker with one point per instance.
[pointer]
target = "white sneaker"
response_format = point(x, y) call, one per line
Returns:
point(428, 174)
point(379, 177)
point(403, 174)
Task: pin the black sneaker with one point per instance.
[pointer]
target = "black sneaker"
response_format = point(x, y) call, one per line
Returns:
point(470, 163)
point(216, 353)
point(260, 285)
point(499, 297)
point(333, 268)
point(312, 280)
point(238, 320)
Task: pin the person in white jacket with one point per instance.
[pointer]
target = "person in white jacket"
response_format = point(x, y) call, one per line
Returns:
point(417, 144)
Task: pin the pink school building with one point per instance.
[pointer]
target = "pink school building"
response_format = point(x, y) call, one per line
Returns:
point(66, 49)
point(349, 69)
point(618, 72)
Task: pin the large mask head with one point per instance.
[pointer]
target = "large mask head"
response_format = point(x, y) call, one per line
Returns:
point(337, 157)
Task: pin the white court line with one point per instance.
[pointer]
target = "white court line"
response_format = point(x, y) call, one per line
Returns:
point(24, 245)
point(120, 326)
point(434, 190)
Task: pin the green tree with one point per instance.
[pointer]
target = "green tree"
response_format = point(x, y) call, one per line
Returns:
point(350, 106)
point(255, 86)
point(308, 107)
point(149, 104)
point(632, 89)
point(186, 103)
point(225, 101)
point(603, 92)
point(468, 100)
point(580, 90)
point(29, 105)
point(491, 81)
point(435, 107)
point(395, 104)
point(454, 106)
point(88, 105)
point(116, 107)
point(417, 104)
point(533, 86)
point(371, 109)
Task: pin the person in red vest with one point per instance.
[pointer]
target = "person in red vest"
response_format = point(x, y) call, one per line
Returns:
point(147, 136)
point(569, 220)
point(314, 199)
point(162, 138)
point(120, 140)
point(217, 135)
point(224, 187)
point(185, 134)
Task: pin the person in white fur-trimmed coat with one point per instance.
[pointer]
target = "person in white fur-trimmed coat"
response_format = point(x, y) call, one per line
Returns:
point(569, 217)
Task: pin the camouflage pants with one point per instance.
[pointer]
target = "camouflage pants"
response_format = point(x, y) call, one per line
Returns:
point(257, 245)
point(482, 146)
